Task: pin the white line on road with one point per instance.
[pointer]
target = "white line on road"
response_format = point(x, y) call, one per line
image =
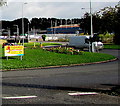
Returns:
point(19, 97)
point(82, 93)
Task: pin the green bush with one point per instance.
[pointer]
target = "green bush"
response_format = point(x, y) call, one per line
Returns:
point(107, 38)
point(65, 50)
point(43, 37)
point(59, 40)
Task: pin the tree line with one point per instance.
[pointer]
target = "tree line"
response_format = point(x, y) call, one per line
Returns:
point(107, 20)
point(37, 23)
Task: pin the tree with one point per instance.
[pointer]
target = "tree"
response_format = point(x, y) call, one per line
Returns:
point(117, 25)
point(111, 21)
point(106, 20)
point(2, 2)
point(43, 37)
point(86, 25)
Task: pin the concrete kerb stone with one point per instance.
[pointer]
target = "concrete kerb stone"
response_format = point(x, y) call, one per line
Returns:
point(60, 66)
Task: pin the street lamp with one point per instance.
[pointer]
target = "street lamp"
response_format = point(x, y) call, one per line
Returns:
point(17, 37)
point(23, 22)
point(90, 45)
point(28, 32)
point(51, 27)
point(91, 19)
point(8, 32)
point(17, 30)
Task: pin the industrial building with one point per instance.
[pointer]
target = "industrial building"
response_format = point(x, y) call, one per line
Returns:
point(65, 29)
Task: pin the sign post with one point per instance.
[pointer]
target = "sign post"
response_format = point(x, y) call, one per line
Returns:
point(20, 57)
point(14, 51)
point(7, 57)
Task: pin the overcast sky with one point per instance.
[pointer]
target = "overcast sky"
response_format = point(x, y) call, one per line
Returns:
point(52, 8)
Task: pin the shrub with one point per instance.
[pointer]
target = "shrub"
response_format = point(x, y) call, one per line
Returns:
point(43, 37)
point(107, 38)
point(66, 50)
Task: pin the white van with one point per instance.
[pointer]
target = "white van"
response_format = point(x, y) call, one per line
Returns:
point(83, 42)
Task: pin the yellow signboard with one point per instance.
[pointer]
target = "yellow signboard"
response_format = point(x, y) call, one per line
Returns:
point(14, 50)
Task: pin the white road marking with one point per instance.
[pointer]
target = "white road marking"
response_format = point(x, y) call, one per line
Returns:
point(19, 97)
point(82, 93)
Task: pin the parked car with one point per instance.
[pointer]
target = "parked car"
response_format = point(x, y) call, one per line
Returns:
point(6, 44)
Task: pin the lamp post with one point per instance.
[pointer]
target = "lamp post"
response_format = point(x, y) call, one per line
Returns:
point(91, 30)
point(17, 37)
point(55, 27)
point(28, 32)
point(23, 22)
point(91, 48)
point(91, 19)
point(60, 21)
point(51, 27)
point(17, 30)
point(8, 32)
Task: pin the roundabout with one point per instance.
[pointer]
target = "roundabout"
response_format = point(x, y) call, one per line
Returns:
point(38, 58)
point(59, 82)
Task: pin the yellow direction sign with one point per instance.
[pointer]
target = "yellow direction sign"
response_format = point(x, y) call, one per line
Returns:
point(14, 50)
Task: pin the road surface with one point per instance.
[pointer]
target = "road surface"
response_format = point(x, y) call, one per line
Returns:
point(51, 86)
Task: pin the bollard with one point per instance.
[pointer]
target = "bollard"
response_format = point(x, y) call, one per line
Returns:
point(34, 45)
point(93, 47)
point(40, 44)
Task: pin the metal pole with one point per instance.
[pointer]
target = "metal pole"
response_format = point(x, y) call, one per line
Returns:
point(91, 19)
point(22, 24)
point(17, 37)
point(66, 26)
point(23, 21)
point(20, 57)
point(90, 43)
point(61, 21)
point(7, 57)
point(28, 32)
point(17, 31)
point(34, 30)
point(51, 28)
point(9, 32)
point(55, 29)
point(66, 23)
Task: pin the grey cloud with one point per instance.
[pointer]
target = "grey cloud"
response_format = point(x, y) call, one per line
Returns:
point(50, 9)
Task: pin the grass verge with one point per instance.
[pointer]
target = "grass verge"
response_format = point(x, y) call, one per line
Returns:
point(111, 46)
point(38, 44)
point(36, 57)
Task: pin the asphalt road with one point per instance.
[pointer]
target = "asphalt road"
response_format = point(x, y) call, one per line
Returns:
point(51, 86)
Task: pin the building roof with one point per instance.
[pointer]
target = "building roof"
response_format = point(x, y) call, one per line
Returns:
point(67, 26)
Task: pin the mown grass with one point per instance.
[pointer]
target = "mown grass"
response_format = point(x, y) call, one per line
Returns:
point(111, 46)
point(36, 57)
point(38, 44)
point(0, 56)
